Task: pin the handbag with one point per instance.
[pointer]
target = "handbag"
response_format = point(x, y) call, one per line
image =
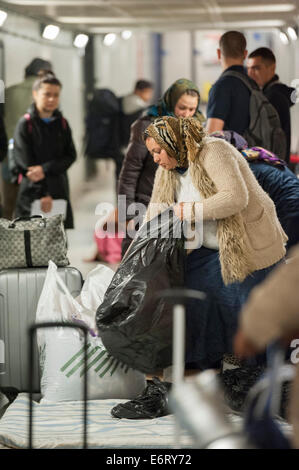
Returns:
point(32, 242)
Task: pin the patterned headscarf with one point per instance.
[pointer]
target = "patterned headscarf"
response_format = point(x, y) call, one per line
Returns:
point(180, 137)
point(166, 105)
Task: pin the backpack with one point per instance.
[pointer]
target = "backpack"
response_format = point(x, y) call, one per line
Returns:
point(102, 125)
point(264, 127)
point(14, 173)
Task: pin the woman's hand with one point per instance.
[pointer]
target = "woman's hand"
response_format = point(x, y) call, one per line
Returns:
point(183, 210)
point(35, 173)
point(46, 203)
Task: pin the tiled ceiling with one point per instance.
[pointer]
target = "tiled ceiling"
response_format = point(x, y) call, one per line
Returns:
point(159, 15)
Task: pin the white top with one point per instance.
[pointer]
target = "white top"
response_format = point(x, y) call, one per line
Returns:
point(132, 103)
point(186, 192)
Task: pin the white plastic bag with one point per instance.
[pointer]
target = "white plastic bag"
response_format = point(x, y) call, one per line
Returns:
point(62, 350)
point(92, 293)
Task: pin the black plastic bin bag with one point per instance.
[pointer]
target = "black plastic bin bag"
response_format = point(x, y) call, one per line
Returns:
point(135, 326)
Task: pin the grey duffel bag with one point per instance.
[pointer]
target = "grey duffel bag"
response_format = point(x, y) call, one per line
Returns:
point(32, 241)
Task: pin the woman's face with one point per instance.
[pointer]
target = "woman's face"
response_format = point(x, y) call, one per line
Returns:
point(160, 155)
point(46, 98)
point(186, 106)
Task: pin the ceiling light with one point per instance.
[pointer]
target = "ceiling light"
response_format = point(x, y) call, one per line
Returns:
point(51, 32)
point(81, 40)
point(274, 8)
point(3, 16)
point(105, 20)
point(126, 34)
point(109, 39)
point(283, 37)
point(292, 33)
point(249, 24)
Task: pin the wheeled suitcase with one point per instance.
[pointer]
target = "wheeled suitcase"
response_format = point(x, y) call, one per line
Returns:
point(20, 290)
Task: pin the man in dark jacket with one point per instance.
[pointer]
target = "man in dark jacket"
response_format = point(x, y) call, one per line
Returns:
point(43, 151)
point(261, 68)
point(132, 106)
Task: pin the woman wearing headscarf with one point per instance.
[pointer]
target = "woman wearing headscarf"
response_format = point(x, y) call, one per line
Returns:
point(208, 180)
point(138, 170)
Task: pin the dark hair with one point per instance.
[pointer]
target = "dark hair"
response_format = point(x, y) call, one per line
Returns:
point(45, 77)
point(143, 84)
point(36, 65)
point(265, 53)
point(232, 44)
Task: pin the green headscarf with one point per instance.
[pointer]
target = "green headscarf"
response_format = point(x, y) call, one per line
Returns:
point(166, 105)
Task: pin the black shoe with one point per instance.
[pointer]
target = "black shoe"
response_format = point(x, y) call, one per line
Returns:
point(11, 393)
point(151, 403)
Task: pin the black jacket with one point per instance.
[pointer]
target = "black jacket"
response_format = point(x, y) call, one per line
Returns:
point(51, 146)
point(3, 138)
point(283, 188)
point(138, 170)
point(279, 96)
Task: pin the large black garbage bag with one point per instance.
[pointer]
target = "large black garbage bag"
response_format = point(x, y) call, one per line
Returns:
point(134, 325)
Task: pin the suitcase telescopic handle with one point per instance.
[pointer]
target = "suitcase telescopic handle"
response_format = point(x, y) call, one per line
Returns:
point(32, 329)
point(179, 297)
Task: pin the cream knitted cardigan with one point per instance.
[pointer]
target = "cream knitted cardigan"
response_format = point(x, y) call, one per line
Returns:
point(249, 234)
